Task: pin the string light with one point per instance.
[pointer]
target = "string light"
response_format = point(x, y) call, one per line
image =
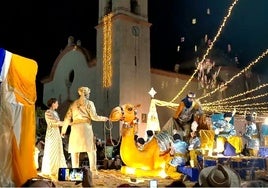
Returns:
point(220, 109)
point(208, 50)
point(224, 104)
point(238, 74)
point(217, 106)
point(240, 108)
point(249, 98)
point(107, 51)
point(235, 96)
point(244, 105)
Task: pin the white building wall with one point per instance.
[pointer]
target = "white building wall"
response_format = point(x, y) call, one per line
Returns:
point(74, 60)
point(166, 84)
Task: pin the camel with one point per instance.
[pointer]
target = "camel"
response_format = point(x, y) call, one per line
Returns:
point(148, 161)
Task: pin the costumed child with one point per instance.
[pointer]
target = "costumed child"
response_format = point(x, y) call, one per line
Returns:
point(225, 131)
point(194, 145)
point(251, 136)
point(179, 157)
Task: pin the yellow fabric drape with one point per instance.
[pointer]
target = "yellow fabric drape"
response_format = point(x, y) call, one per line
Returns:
point(207, 139)
point(21, 77)
point(172, 172)
point(237, 142)
point(194, 156)
point(220, 141)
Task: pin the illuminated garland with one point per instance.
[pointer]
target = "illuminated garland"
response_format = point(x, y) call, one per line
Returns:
point(235, 96)
point(240, 108)
point(238, 74)
point(107, 51)
point(219, 109)
point(243, 107)
point(216, 106)
point(245, 99)
point(240, 105)
point(208, 50)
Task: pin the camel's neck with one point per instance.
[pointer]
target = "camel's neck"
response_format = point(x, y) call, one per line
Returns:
point(128, 132)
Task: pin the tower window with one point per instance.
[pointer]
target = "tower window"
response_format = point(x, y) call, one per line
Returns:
point(134, 7)
point(108, 7)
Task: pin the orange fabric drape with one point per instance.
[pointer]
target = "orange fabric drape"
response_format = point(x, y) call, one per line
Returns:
point(179, 110)
point(21, 76)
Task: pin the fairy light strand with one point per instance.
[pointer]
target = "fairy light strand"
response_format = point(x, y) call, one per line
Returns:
point(222, 107)
point(107, 51)
point(243, 105)
point(235, 96)
point(237, 75)
point(261, 110)
point(245, 99)
point(225, 106)
point(208, 50)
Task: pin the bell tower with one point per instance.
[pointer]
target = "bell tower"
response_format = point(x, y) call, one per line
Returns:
point(123, 55)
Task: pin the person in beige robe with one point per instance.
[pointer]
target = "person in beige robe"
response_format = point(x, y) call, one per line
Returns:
point(79, 115)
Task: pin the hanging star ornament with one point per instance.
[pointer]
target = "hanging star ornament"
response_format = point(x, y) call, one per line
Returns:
point(152, 92)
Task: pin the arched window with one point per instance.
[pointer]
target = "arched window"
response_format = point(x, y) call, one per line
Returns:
point(70, 79)
point(71, 76)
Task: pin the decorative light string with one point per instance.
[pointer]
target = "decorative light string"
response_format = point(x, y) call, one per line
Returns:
point(239, 108)
point(246, 99)
point(237, 75)
point(235, 96)
point(107, 51)
point(220, 109)
point(242, 105)
point(208, 50)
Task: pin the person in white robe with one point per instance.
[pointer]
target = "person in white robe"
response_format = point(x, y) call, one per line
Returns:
point(79, 116)
point(53, 158)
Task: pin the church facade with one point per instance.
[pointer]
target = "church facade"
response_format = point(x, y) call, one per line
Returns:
point(121, 72)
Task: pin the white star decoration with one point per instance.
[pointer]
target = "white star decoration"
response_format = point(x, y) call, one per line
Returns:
point(152, 92)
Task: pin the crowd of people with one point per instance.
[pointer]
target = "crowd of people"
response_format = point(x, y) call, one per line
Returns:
point(184, 149)
point(223, 128)
point(187, 140)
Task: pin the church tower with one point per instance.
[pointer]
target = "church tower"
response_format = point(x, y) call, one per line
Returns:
point(123, 55)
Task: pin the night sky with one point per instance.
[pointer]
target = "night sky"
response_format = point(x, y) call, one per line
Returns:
point(246, 31)
point(39, 30)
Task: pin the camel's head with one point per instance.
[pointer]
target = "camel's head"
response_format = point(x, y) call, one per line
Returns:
point(126, 113)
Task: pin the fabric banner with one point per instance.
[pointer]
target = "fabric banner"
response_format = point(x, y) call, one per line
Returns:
point(18, 96)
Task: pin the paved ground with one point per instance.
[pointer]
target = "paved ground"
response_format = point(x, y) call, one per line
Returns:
point(114, 178)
